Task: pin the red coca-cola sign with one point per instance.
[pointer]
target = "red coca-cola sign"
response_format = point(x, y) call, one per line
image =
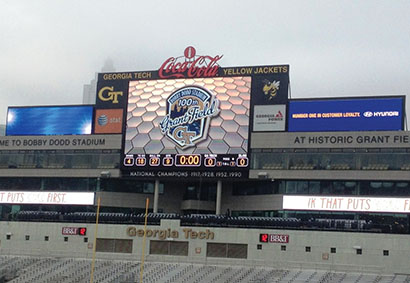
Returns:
point(190, 66)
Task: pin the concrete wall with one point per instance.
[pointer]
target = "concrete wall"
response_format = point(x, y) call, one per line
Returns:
point(169, 201)
point(345, 259)
point(252, 202)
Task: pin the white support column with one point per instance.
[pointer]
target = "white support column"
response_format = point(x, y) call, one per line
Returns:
point(156, 195)
point(218, 197)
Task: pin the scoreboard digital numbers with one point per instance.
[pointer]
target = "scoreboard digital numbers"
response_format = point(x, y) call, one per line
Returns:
point(224, 163)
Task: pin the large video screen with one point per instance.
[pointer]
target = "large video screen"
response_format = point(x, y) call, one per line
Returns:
point(191, 118)
point(49, 120)
point(192, 124)
point(358, 114)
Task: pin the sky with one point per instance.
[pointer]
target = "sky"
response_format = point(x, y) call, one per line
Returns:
point(49, 49)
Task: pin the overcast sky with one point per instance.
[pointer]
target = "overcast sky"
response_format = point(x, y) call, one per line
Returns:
point(50, 49)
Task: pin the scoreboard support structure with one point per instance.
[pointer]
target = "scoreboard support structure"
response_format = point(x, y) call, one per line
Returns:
point(218, 197)
point(156, 196)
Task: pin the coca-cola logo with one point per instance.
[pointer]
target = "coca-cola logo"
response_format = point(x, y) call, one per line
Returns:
point(190, 66)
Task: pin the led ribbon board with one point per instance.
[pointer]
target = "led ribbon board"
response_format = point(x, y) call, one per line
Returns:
point(348, 204)
point(356, 114)
point(51, 198)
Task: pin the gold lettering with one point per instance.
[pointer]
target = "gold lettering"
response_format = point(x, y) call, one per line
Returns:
point(168, 233)
point(117, 76)
point(142, 75)
point(110, 94)
point(209, 235)
point(131, 231)
point(186, 232)
point(162, 235)
point(228, 72)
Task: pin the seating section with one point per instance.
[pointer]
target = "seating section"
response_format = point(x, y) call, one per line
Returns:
point(273, 166)
point(405, 167)
point(17, 269)
point(212, 220)
point(339, 167)
point(302, 167)
point(376, 167)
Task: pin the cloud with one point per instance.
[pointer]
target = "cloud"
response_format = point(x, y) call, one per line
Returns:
point(335, 48)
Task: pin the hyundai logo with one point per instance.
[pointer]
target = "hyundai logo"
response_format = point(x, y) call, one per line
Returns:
point(368, 114)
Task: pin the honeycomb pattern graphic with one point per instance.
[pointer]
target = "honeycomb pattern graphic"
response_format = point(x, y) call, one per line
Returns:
point(227, 134)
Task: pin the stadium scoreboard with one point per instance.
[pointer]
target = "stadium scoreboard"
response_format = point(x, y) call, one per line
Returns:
point(190, 118)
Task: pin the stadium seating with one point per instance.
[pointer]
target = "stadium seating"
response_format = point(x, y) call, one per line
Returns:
point(19, 269)
point(376, 167)
point(212, 220)
point(272, 166)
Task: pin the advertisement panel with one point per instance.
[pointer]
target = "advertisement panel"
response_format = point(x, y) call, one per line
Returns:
point(53, 198)
point(108, 121)
point(348, 204)
point(274, 238)
point(356, 114)
point(49, 120)
point(70, 231)
point(269, 118)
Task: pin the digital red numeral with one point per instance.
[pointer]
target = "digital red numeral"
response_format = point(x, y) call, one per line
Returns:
point(263, 238)
point(82, 231)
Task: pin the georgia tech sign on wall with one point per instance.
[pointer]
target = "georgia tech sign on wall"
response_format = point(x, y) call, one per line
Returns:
point(163, 234)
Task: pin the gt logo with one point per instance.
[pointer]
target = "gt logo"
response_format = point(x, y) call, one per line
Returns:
point(107, 93)
point(181, 134)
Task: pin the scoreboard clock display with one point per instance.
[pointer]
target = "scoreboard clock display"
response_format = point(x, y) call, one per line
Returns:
point(188, 160)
